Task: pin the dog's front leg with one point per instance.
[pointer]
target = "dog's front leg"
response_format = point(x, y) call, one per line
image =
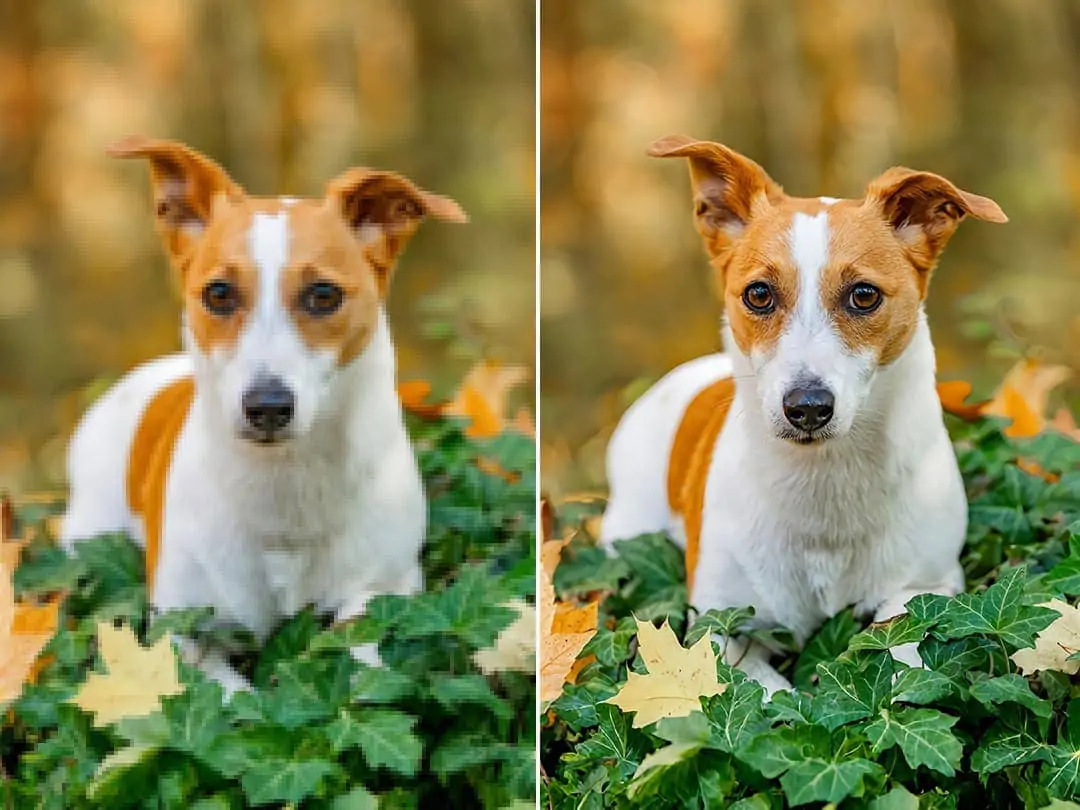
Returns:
point(357, 602)
point(213, 662)
point(752, 659)
point(894, 606)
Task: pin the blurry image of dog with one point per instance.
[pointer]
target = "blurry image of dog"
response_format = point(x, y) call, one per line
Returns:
point(267, 466)
point(808, 467)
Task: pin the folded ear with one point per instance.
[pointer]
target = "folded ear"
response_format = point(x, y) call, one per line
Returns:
point(186, 185)
point(383, 210)
point(728, 187)
point(923, 209)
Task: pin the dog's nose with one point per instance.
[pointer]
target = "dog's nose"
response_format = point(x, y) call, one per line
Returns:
point(809, 409)
point(268, 405)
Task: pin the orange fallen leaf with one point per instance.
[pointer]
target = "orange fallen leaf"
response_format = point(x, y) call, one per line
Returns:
point(953, 396)
point(24, 632)
point(1024, 396)
point(1065, 422)
point(483, 397)
point(1034, 468)
point(414, 395)
point(564, 628)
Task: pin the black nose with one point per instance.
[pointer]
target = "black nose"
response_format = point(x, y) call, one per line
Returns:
point(809, 409)
point(268, 405)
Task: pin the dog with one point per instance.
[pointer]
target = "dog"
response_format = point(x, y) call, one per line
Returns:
point(807, 468)
point(267, 466)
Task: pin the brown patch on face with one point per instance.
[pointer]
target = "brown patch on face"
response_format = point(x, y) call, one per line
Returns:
point(863, 250)
point(223, 254)
point(323, 249)
point(763, 254)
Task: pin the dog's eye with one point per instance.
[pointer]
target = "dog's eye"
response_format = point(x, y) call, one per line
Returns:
point(759, 298)
point(321, 298)
point(221, 297)
point(864, 298)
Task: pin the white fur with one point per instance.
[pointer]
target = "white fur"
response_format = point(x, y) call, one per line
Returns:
point(332, 517)
point(871, 517)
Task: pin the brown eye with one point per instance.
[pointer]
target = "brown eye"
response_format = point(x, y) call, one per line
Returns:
point(221, 298)
point(864, 298)
point(321, 298)
point(759, 298)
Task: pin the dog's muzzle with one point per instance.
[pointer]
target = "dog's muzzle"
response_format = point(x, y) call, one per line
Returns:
point(268, 410)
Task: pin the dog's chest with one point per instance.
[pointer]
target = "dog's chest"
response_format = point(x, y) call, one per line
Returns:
point(820, 532)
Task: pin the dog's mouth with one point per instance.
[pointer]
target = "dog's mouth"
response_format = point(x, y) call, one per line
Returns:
point(805, 438)
point(265, 437)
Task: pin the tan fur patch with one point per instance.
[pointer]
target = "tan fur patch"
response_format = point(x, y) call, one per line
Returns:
point(149, 461)
point(688, 465)
point(321, 248)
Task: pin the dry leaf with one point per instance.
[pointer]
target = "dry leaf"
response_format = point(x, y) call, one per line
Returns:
point(677, 677)
point(1055, 644)
point(515, 648)
point(137, 677)
point(414, 394)
point(483, 397)
point(953, 396)
point(24, 632)
point(1065, 422)
point(564, 628)
point(1024, 396)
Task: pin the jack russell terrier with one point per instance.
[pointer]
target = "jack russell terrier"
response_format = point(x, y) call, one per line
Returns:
point(807, 468)
point(267, 466)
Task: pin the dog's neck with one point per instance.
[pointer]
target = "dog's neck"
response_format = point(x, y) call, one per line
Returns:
point(902, 398)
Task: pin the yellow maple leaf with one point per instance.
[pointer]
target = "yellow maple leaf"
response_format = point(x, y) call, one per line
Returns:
point(136, 679)
point(24, 632)
point(1055, 644)
point(564, 628)
point(515, 648)
point(677, 677)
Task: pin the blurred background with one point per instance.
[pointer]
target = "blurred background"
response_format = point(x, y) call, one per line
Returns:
point(825, 94)
point(285, 94)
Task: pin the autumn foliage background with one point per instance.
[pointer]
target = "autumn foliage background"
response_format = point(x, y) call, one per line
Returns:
point(825, 94)
point(285, 95)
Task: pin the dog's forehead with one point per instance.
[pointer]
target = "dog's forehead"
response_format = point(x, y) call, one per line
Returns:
point(306, 229)
point(800, 233)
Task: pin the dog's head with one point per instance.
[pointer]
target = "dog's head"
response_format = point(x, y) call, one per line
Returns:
point(279, 294)
point(819, 294)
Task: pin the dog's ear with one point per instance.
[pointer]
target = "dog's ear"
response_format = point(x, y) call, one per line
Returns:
point(728, 187)
point(186, 184)
point(923, 209)
point(383, 210)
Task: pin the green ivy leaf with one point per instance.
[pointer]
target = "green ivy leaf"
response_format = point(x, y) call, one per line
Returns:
point(825, 645)
point(924, 735)
point(1009, 688)
point(853, 689)
point(735, 715)
point(999, 611)
point(921, 686)
point(901, 629)
point(725, 622)
point(285, 780)
point(779, 749)
point(817, 780)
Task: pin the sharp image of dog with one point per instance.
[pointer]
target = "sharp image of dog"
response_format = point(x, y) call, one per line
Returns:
point(807, 468)
point(267, 466)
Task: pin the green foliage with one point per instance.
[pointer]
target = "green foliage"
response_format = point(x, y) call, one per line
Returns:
point(320, 731)
point(861, 730)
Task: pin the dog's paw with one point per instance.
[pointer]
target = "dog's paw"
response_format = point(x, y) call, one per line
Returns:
point(367, 654)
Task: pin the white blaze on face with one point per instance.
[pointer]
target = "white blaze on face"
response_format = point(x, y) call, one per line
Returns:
point(269, 344)
point(810, 349)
